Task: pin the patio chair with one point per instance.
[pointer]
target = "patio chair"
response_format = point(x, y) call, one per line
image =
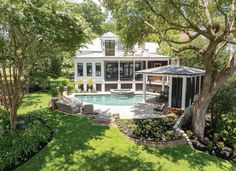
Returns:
point(159, 108)
point(69, 105)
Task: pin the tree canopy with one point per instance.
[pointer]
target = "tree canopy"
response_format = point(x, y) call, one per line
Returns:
point(31, 31)
point(93, 15)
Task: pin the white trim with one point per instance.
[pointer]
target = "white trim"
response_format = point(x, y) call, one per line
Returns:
point(184, 93)
point(170, 90)
point(163, 84)
point(144, 87)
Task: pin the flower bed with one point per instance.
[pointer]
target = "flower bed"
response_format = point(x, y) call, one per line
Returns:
point(157, 132)
point(30, 136)
point(213, 143)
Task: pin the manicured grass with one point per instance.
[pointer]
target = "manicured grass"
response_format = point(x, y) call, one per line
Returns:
point(79, 145)
point(34, 101)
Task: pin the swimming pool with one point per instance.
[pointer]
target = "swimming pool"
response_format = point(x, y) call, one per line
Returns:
point(112, 100)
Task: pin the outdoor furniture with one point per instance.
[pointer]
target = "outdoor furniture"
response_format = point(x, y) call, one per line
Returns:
point(88, 109)
point(160, 107)
point(69, 105)
point(68, 108)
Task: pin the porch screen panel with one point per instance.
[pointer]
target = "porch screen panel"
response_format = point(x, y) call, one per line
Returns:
point(176, 98)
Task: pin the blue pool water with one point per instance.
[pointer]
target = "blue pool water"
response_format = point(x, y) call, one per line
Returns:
point(112, 100)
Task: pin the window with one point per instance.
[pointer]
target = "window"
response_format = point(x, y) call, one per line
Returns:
point(98, 69)
point(112, 71)
point(109, 47)
point(80, 69)
point(89, 69)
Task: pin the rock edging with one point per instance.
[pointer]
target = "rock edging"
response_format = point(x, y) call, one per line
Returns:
point(184, 118)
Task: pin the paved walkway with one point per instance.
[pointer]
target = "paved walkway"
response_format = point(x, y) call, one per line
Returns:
point(129, 112)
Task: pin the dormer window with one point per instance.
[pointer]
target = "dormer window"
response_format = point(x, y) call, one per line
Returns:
point(109, 47)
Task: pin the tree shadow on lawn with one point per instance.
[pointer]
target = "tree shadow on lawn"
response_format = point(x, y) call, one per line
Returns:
point(30, 100)
point(70, 134)
point(70, 148)
point(111, 161)
point(196, 159)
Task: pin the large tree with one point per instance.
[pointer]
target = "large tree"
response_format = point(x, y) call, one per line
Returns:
point(31, 31)
point(210, 21)
point(93, 15)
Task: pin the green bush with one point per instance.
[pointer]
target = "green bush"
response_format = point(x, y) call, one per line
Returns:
point(153, 129)
point(227, 128)
point(55, 92)
point(210, 145)
point(25, 140)
point(220, 145)
point(189, 133)
point(90, 82)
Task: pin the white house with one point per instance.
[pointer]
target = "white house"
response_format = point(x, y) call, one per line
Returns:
point(112, 67)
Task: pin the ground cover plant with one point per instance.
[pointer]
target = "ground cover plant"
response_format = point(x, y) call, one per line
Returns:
point(18, 146)
point(156, 129)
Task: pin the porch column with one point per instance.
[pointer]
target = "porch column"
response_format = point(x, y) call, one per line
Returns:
point(144, 87)
point(184, 93)
point(200, 80)
point(134, 70)
point(170, 90)
point(163, 84)
point(85, 85)
point(76, 71)
point(103, 87)
point(133, 84)
point(119, 84)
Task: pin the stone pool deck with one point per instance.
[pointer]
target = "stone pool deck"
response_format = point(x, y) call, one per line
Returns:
point(129, 112)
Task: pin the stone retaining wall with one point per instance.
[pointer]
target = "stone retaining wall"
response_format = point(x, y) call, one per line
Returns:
point(159, 144)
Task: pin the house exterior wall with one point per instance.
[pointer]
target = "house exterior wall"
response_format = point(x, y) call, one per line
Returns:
point(119, 82)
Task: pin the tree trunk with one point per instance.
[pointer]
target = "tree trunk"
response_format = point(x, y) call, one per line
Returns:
point(13, 115)
point(199, 113)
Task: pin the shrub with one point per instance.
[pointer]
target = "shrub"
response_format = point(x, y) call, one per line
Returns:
point(90, 82)
point(210, 145)
point(55, 92)
point(220, 145)
point(227, 127)
point(25, 140)
point(79, 83)
point(153, 129)
point(189, 133)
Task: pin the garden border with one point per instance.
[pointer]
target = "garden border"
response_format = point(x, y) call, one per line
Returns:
point(44, 144)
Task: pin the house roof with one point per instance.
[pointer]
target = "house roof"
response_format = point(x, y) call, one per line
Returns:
point(109, 35)
point(95, 48)
point(172, 70)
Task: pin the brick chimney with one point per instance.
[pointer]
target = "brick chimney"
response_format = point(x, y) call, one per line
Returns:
point(176, 61)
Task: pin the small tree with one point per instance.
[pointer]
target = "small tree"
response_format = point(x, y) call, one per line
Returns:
point(90, 82)
point(79, 83)
point(29, 32)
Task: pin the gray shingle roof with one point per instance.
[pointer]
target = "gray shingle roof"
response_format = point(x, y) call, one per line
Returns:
point(172, 70)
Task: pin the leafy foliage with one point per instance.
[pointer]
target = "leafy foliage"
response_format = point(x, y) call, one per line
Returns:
point(93, 15)
point(159, 129)
point(90, 82)
point(227, 127)
point(221, 104)
point(17, 146)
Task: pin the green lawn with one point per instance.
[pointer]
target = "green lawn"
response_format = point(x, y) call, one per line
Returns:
point(79, 145)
